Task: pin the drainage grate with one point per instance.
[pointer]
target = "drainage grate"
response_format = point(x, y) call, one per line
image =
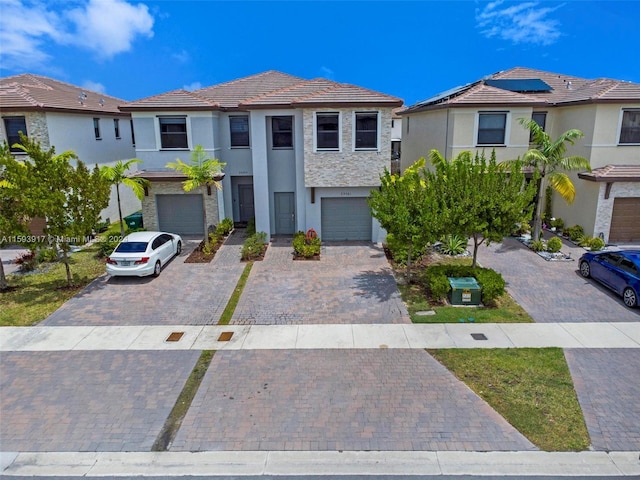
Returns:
point(174, 337)
point(225, 336)
point(479, 336)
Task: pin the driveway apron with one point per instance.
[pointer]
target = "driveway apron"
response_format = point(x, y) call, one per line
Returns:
point(351, 283)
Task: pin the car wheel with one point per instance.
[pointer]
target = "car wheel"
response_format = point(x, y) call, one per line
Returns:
point(179, 248)
point(585, 269)
point(157, 268)
point(629, 297)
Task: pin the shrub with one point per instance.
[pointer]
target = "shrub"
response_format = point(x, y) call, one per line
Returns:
point(47, 255)
point(399, 250)
point(558, 223)
point(537, 245)
point(596, 244)
point(224, 227)
point(574, 233)
point(554, 245)
point(251, 227)
point(306, 246)
point(253, 246)
point(491, 282)
point(521, 228)
point(584, 240)
point(27, 261)
point(453, 245)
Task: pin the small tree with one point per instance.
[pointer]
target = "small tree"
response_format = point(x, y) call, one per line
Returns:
point(117, 175)
point(202, 171)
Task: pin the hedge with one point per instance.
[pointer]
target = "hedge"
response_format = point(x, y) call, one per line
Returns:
point(491, 282)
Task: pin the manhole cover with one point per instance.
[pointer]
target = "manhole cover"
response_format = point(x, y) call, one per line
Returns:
point(174, 337)
point(479, 336)
point(225, 336)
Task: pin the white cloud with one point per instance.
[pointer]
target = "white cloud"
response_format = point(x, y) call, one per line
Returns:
point(327, 72)
point(181, 56)
point(107, 27)
point(527, 22)
point(94, 86)
point(192, 86)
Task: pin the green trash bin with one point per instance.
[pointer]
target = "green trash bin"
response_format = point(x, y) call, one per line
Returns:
point(464, 291)
point(134, 221)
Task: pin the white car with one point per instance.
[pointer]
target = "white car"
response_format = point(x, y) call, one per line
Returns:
point(143, 253)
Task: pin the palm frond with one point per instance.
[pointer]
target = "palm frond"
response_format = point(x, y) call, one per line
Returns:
point(562, 184)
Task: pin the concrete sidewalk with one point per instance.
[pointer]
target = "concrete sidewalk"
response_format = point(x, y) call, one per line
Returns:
point(88, 464)
point(361, 336)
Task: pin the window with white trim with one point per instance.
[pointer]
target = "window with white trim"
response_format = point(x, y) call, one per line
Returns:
point(96, 128)
point(366, 130)
point(327, 131)
point(282, 132)
point(173, 132)
point(492, 128)
point(13, 127)
point(239, 130)
point(116, 127)
point(630, 128)
point(541, 120)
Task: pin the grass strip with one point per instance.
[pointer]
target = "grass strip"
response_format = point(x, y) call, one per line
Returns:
point(530, 387)
point(183, 403)
point(225, 318)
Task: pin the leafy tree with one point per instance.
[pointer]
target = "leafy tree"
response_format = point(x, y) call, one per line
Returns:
point(202, 171)
point(117, 175)
point(548, 158)
point(479, 199)
point(69, 197)
point(405, 207)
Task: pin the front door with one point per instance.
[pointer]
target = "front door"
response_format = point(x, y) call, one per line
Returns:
point(247, 210)
point(285, 213)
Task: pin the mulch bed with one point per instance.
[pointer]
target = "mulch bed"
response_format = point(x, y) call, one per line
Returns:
point(198, 256)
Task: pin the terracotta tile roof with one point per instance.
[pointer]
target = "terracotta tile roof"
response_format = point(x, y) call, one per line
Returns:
point(565, 89)
point(265, 90)
point(35, 92)
point(613, 173)
point(174, 100)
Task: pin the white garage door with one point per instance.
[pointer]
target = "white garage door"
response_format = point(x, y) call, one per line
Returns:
point(182, 214)
point(345, 219)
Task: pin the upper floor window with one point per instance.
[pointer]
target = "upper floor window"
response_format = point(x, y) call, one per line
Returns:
point(282, 132)
point(96, 128)
point(133, 134)
point(173, 132)
point(13, 126)
point(328, 131)
point(239, 127)
point(541, 120)
point(116, 127)
point(630, 128)
point(366, 131)
point(492, 128)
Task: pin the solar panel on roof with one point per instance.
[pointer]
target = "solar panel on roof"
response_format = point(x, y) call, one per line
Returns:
point(519, 84)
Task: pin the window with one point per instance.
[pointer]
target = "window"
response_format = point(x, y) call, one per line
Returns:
point(116, 127)
point(13, 126)
point(541, 120)
point(96, 128)
point(366, 130)
point(491, 128)
point(630, 129)
point(173, 132)
point(239, 127)
point(628, 266)
point(282, 132)
point(327, 131)
point(133, 135)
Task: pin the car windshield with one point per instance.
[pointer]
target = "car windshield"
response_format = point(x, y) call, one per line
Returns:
point(132, 247)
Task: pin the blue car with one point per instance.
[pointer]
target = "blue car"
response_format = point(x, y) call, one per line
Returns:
point(620, 271)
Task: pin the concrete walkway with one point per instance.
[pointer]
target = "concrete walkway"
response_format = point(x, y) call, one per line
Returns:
point(296, 337)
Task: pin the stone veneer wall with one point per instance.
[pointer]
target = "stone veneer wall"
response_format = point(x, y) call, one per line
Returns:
point(36, 127)
point(605, 205)
point(149, 211)
point(347, 168)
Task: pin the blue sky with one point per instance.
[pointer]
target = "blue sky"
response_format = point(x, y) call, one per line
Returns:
point(133, 49)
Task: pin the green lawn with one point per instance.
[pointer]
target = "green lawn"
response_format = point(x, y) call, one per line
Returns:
point(37, 295)
point(532, 389)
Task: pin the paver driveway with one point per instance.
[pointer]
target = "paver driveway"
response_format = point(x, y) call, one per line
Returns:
point(183, 294)
point(351, 283)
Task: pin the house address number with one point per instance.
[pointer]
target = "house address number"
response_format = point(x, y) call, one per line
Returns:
point(345, 194)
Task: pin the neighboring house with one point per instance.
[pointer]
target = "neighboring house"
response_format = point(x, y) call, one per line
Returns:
point(484, 115)
point(69, 117)
point(396, 139)
point(299, 154)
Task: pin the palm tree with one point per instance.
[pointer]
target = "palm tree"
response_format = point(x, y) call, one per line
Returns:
point(117, 175)
point(202, 171)
point(548, 157)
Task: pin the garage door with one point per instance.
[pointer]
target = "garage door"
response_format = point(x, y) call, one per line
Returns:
point(182, 214)
point(346, 219)
point(625, 220)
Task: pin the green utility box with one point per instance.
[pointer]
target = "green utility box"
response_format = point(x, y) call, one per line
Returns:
point(134, 221)
point(464, 291)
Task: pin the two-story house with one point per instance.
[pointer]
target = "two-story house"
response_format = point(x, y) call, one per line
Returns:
point(484, 115)
point(299, 154)
point(68, 117)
